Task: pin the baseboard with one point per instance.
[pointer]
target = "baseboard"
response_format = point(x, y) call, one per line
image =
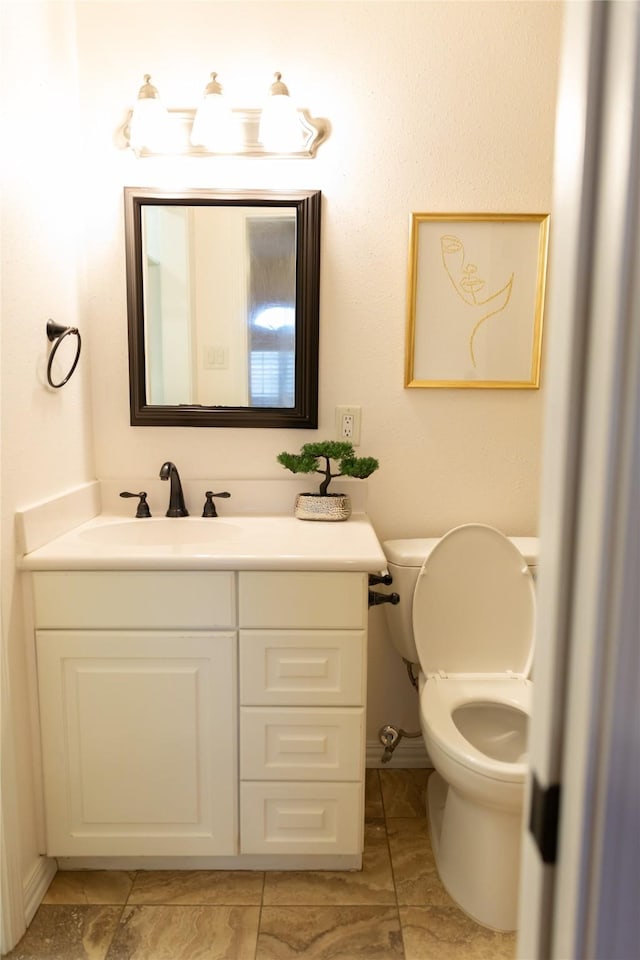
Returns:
point(408, 753)
point(268, 861)
point(37, 884)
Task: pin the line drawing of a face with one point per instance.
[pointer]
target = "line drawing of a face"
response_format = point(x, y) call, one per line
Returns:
point(469, 286)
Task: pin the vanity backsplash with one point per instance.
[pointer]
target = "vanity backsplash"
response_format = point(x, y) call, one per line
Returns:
point(42, 522)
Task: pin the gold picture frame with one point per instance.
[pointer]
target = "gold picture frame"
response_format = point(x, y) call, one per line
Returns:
point(476, 300)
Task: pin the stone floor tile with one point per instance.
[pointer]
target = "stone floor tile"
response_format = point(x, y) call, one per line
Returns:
point(66, 932)
point(404, 792)
point(90, 886)
point(373, 884)
point(414, 866)
point(446, 933)
point(186, 933)
point(230, 887)
point(329, 933)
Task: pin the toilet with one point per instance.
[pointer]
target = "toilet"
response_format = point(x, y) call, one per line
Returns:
point(466, 617)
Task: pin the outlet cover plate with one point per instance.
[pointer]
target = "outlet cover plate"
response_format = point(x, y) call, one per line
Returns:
point(348, 424)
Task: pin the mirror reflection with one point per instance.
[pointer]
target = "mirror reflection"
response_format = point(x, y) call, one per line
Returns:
point(219, 305)
point(223, 308)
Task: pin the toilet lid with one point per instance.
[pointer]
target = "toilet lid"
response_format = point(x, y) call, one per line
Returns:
point(474, 605)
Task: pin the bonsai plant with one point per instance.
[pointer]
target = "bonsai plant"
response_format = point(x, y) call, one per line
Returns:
point(319, 458)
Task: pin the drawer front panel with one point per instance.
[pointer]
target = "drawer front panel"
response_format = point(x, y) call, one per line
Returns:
point(301, 818)
point(297, 744)
point(129, 599)
point(305, 667)
point(302, 599)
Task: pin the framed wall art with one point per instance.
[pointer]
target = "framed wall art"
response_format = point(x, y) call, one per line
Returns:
point(476, 300)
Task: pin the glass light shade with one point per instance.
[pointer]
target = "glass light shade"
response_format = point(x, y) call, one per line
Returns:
point(214, 127)
point(280, 127)
point(149, 125)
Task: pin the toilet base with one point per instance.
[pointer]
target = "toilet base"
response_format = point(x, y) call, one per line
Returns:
point(477, 853)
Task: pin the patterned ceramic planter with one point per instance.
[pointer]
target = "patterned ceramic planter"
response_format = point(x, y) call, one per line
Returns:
point(313, 506)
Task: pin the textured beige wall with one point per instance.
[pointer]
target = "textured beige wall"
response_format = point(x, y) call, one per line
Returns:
point(434, 106)
point(46, 434)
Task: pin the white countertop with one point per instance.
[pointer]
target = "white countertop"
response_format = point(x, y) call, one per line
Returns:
point(111, 542)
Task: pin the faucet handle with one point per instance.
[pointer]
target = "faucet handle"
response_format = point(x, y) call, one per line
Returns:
point(143, 506)
point(209, 509)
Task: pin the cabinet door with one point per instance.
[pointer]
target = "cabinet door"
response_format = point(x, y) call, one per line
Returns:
point(138, 733)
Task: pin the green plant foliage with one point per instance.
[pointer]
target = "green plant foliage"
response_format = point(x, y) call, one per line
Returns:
point(308, 461)
point(298, 463)
point(359, 467)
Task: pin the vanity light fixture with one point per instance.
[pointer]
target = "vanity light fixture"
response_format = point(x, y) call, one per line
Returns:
point(280, 129)
point(149, 123)
point(213, 125)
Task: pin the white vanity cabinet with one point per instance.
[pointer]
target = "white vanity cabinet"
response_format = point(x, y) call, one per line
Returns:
point(137, 677)
point(202, 713)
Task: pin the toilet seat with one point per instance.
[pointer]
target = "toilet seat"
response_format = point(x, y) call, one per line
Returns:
point(440, 697)
point(473, 622)
point(474, 606)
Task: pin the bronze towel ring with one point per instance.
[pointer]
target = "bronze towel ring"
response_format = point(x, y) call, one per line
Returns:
point(57, 332)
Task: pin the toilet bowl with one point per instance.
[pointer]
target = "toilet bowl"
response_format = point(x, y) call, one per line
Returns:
point(472, 618)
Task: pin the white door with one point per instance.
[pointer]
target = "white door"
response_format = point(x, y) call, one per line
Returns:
point(585, 736)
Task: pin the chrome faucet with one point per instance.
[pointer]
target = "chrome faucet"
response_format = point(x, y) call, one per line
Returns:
point(177, 508)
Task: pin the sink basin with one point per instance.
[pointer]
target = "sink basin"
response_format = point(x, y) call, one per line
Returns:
point(160, 532)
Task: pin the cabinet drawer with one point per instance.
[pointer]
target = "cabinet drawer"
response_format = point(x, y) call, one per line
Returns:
point(301, 818)
point(303, 599)
point(299, 744)
point(305, 667)
point(122, 599)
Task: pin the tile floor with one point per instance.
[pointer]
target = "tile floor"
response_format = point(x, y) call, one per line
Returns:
point(395, 909)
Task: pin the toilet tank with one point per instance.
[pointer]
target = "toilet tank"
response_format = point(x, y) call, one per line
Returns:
point(404, 560)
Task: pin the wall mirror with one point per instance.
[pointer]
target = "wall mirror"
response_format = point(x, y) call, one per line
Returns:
point(223, 301)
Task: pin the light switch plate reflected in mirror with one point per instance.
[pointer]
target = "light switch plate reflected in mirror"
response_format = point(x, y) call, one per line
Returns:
point(215, 358)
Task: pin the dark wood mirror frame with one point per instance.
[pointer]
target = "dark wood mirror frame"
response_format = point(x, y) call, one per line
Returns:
point(304, 413)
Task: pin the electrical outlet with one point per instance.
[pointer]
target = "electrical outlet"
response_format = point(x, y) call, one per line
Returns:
point(348, 424)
